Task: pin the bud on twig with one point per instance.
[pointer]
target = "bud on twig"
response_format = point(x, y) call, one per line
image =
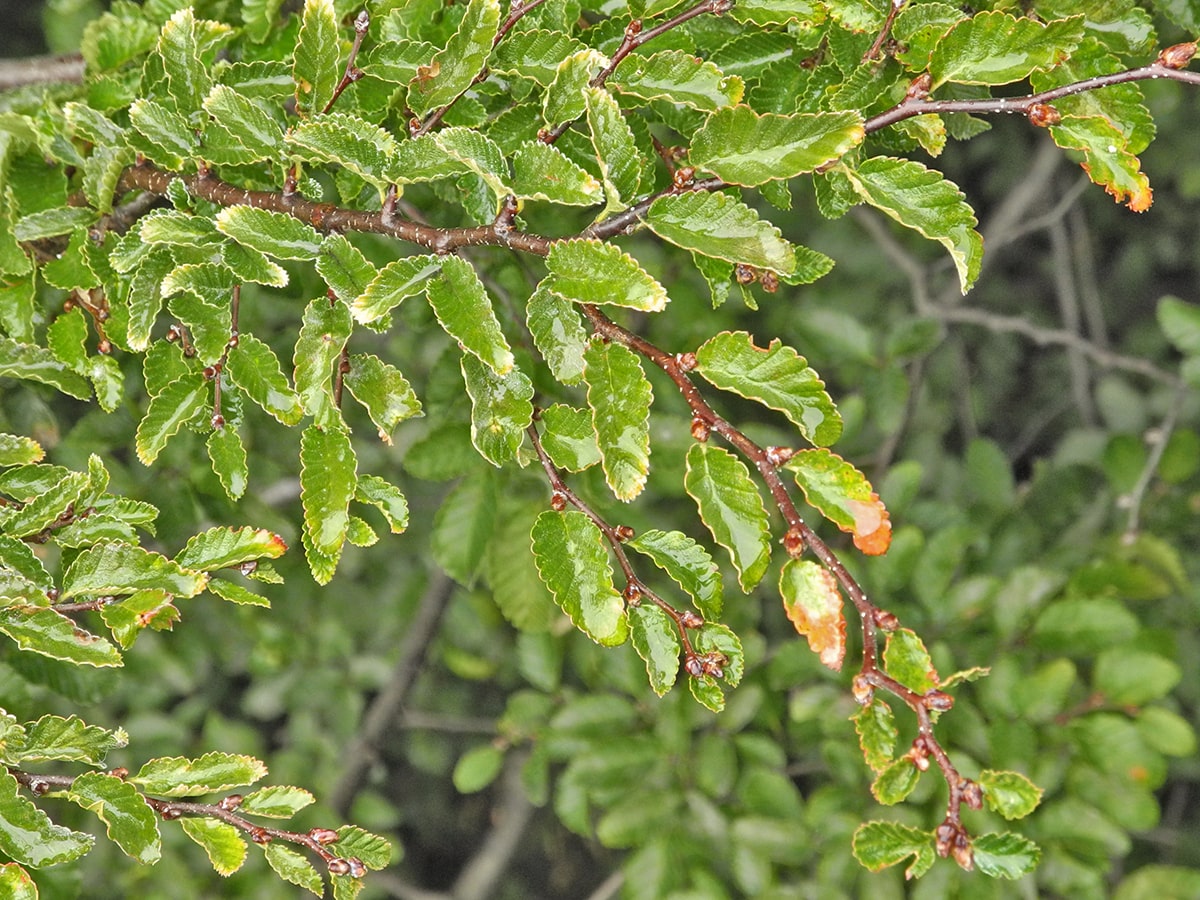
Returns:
point(1043, 115)
point(1177, 56)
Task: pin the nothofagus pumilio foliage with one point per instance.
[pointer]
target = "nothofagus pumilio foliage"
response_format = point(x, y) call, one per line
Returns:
point(523, 298)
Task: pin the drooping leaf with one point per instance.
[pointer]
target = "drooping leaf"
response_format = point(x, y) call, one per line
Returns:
point(396, 281)
point(479, 154)
point(129, 820)
point(573, 562)
point(227, 454)
point(501, 409)
point(118, 569)
point(589, 271)
point(921, 199)
point(656, 640)
point(814, 605)
point(878, 845)
point(254, 367)
point(273, 233)
point(842, 494)
point(464, 310)
point(1005, 855)
point(677, 77)
point(731, 508)
point(689, 565)
point(385, 393)
point(619, 396)
point(325, 328)
point(246, 121)
point(42, 630)
point(615, 146)
point(221, 841)
point(718, 225)
point(45, 509)
point(906, 659)
point(741, 147)
point(998, 48)
point(177, 403)
point(568, 437)
point(224, 548)
point(877, 733)
point(55, 737)
point(386, 498)
point(34, 363)
point(168, 139)
point(777, 377)
point(317, 65)
point(276, 802)
point(453, 69)
point(1009, 793)
point(28, 837)
point(348, 141)
point(564, 99)
point(345, 269)
point(542, 172)
point(177, 776)
point(327, 484)
point(1107, 159)
point(294, 867)
point(558, 333)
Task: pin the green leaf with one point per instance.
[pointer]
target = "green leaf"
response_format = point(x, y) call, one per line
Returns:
point(719, 642)
point(396, 281)
point(224, 845)
point(656, 640)
point(777, 377)
point(276, 802)
point(517, 590)
point(254, 367)
point(741, 147)
point(325, 329)
point(317, 65)
point(564, 101)
point(1127, 677)
point(906, 659)
point(1107, 159)
point(119, 569)
point(245, 120)
point(779, 12)
point(542, 172)
point(677, 77)
point(573, 562)
point(53, 737)
point(590, 271)
point(878, 845)
point(45, 509)
point(273, 233)
point(454, 68)
point(717, 225)
point(386, 498)
point(501, 409)
point(464, 310)
point(619, 396)
point(731, 508)
point(842, 494)
point(1153, 881)
point(1005, 855)
point(689, 565)
point(896, 782)
point(477, 768)
point(1084, 625)
point(224, 548)
point(169, 140)
point(385, 393)
point(327, 484)
point(179, 48)
point(463, 525)
point(877, 733)
point(228, 457)
point(357, 145)
point(615, 146)
point(479, 154)
point(178, 402)
point(294, 867)
point(534, 54)
point(42, 630)
point(558, 333)
point(129, 820)
point(28, 837)
point(999, 48)
point(921, 199)
point(176, 776)
point(568, 437)
point(36, 364)
point(53, 222)
point(234, 593)
point(344, 268)
point(128, 618)
point(814, 605)
point(15, 882)
point(1009, 793)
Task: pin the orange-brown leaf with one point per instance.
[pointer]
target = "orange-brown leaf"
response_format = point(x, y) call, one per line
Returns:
point(813, 603)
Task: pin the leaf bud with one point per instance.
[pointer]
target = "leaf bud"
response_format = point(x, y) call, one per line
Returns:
point(173, 333)
point(918, 88)
point(944, 836)
point(683, 178)
point(972, 794)
point(862, 690)
point(323, 836)
point(1177, 56)
point(633, 29)
point(694, 666)
point(686, 361)
point(777, 456)
point(699, 429)
point(769, 281)
point(558, 501)
point(39, 787)
point(362, 22)
point(1043, 115)
point(963, 854)
point(52, 595)
point(259, 835)
point(744, 274)
point(339, 866)
point(230, 803)
point(218, 421)
point(210, 372)
point(689, 619)
point(624, 533)
point(632, 594)
point(793, 542)
point(715, 667)
point(119, 772)
point(886, 621)
point(170, 813)
point(357, 869)
point(248, 567)
point(939, 701)
point(104, 347)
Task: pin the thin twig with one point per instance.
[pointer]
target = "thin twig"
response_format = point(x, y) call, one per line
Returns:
point(1158, 445)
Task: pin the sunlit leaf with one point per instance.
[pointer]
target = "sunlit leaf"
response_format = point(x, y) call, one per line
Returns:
point(619, 396)
point(385, 393)
point(542, 172)
point(814, 605)
point(274, 233)
point(323, 334)
point(386, 498)
point(398, 280)
point(177, 403)
point(568, 437)
point(998, 48)
point(1005, 855)
point(731, 508)
point(878, 845)
point(225, 548)
point(1009, 793)
point(42, 630)
point(616, 149)
point(118, 569)
point(573, 562)
point(327, 483)
point(558, 333)
point(276, 802)
point(689, 565)
point(677, 77)
point(720, 226)
point(464, 310)
point(294, 867)
point(1107, 159)
point(656, 639)
point(501, 409)
point(131, 824)
point(221, 841)
point(28, 837)
point(595, 272)
point(254, 367)
point(842, 494)
point(453, 69)
point(365, 149)
point(317, 65)
point(179, 777)
point(877, 733)
point(906, 659)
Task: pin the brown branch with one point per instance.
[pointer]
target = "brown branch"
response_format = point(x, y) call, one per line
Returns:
point(894, 8)
point(15, 73)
